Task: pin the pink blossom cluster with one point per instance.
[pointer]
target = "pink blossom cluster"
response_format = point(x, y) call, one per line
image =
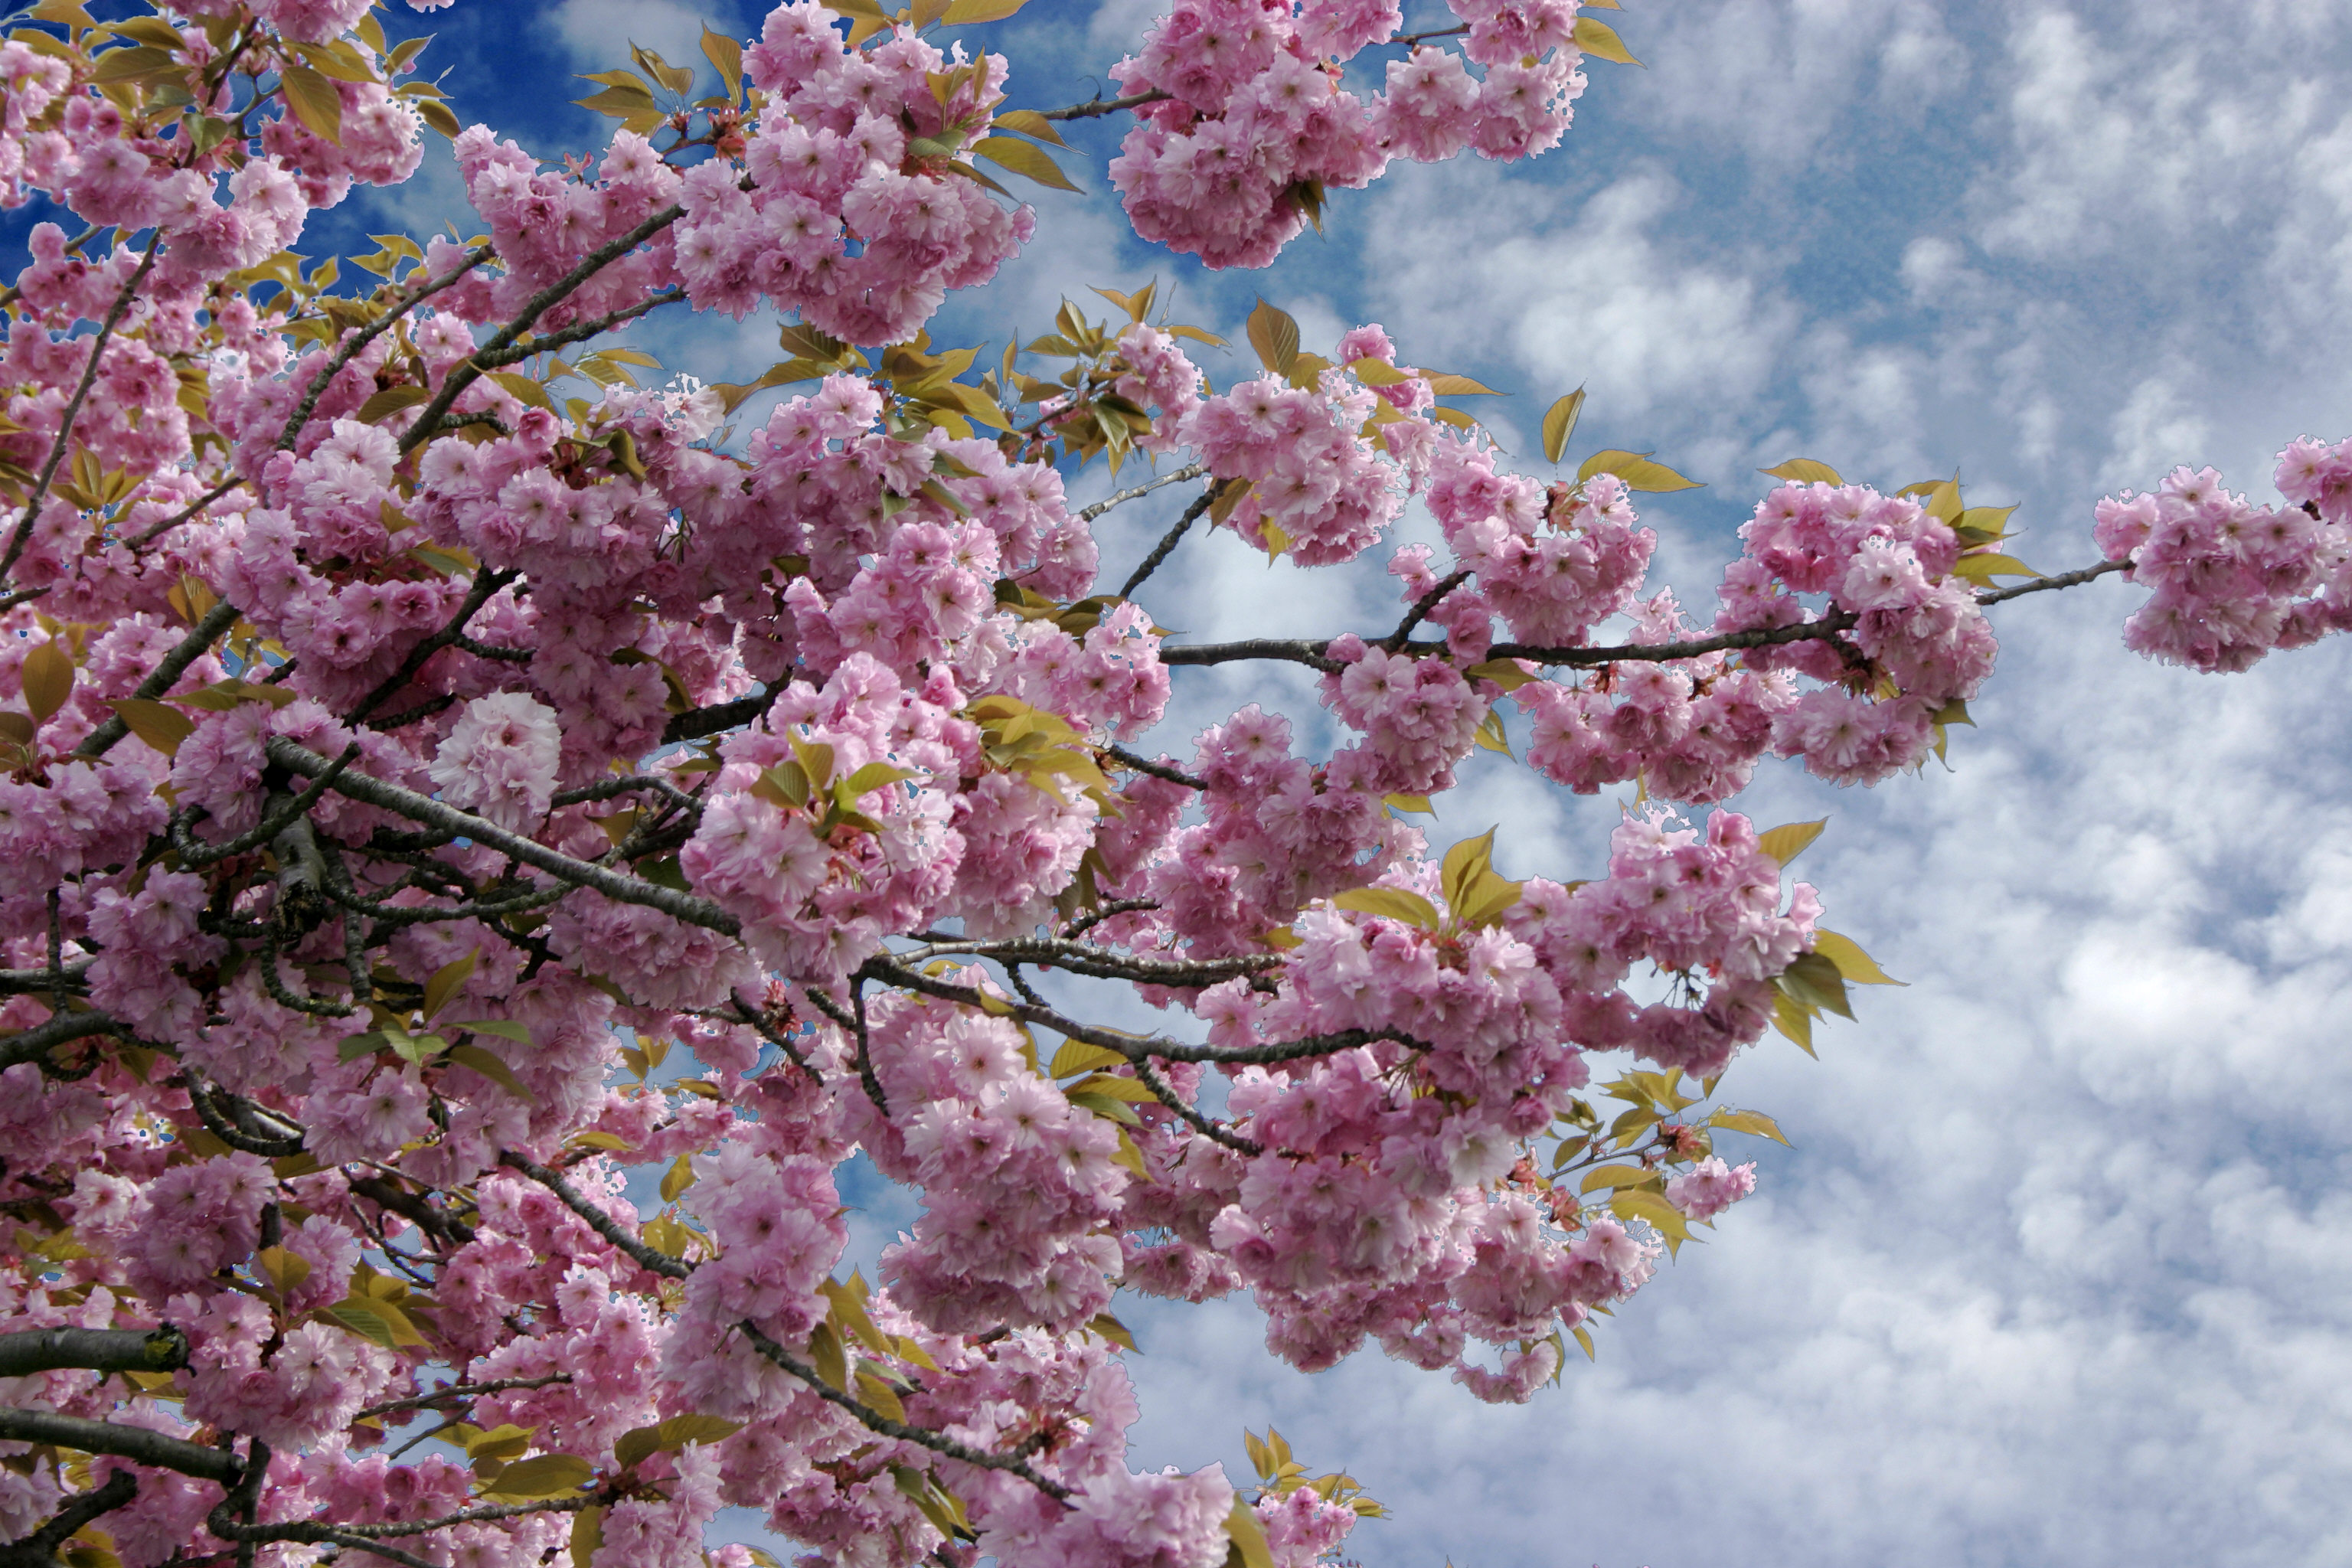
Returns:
point(1902, 635)
point(1253, 123)
point(1018, 1181)
point(2231, 580)
point(1317, 472)
point(851, 150)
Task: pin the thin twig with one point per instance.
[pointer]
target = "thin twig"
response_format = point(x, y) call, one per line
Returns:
point(1167, 542)
point(1096, 108)
point(467, 372)
point(40, 492)
point(1188, 471)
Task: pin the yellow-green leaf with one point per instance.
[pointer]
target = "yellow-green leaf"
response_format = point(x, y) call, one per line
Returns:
point(1248, 1536)
point(160, 726)
point(1029, 122)
point(1078, 1055)
point(314, 100)
point(1754, 1121)
point(726, 56)
point(1985, 568)
point(1114, 1331)
point(1636, 469)
point(1787, 841)
point(1031, 162)
point(1615, 1177)
point(1274, 336)
point(825, 1356)
point(1856, 965)
point(446, 982)
point(1409, 803)
point(677, 1179)
point(1445, 385)
point(499, 1443)
point(973, 13)
point(588, 1533)
point(48, 676)
point(1601, 41)
point(1559, 423)
point(1389, 904)
point(549, 1475)
point(1814, 981)
point(481, 1059)
point(1804, 471)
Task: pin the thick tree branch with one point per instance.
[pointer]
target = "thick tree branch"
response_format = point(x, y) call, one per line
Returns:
point(133, 1443)
point(93, 1350)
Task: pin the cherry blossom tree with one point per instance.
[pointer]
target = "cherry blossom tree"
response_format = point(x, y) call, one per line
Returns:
point(446, 775)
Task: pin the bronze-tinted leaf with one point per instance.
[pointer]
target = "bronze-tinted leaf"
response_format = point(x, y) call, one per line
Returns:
point(48, 675)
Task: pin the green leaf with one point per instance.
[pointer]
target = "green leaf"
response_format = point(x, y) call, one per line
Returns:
point(390, 401)
point(1559, 423)
point(479, 1059)
point(677, 1179)
point(1654, 1210)
point(371, 1318)
point(1409, 803)
point(446, 982)
point(588, 1533)
point(1389, 904)
point(1787, 842)
point(314, 100)
point(1856, 965)
point(1023, 159)
point(1615, 1177)
point(549, 1475)
point(1792, 1019)
point(825, 1356)
point(500, 1444)
point(1601, 41)
point(1804, 471)
point(1110, 1108)
point(1814, 981)
point(504, 1029)
point(1636, 469)
point(1274, 336)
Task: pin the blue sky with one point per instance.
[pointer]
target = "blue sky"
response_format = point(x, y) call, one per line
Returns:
point(2059, 1268)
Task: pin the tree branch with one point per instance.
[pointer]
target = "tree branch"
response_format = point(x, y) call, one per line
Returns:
point(40, 492)
point(133, 1443)
point(650, 1259)
point(359, 786)
point(163, 1349)
point(174, 664)
point(876, 1421)
point(464, 375)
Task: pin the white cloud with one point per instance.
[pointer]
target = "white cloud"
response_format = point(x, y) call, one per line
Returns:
point(598, 33)
point(1462, 266)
